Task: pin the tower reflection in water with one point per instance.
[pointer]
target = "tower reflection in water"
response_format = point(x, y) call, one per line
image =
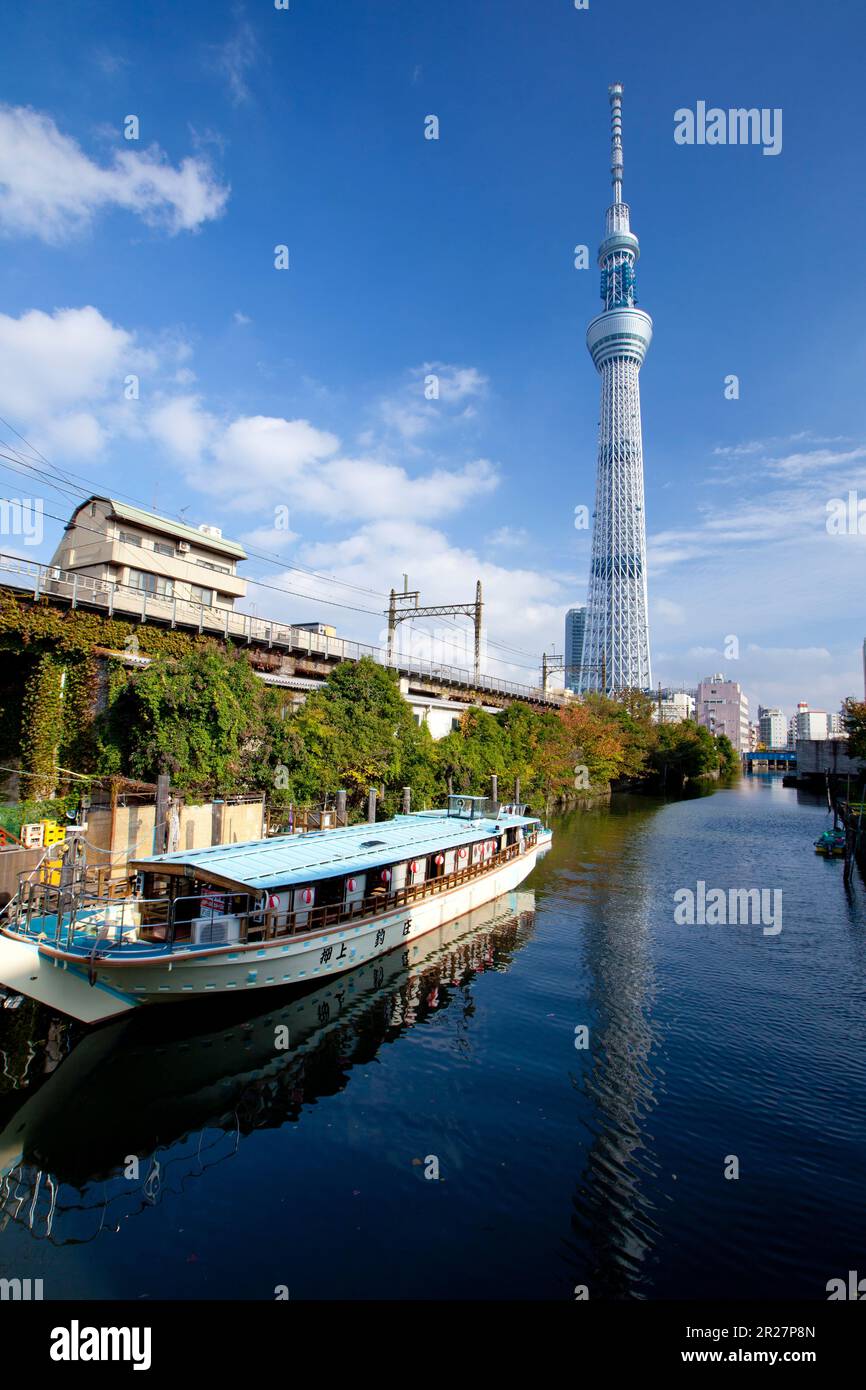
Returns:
point(613, 1227)
point(136, 1109)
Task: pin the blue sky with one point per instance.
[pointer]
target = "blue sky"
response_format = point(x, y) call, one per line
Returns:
point(303, 389)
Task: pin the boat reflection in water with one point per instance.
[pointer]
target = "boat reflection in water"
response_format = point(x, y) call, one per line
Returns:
point(142, 1104)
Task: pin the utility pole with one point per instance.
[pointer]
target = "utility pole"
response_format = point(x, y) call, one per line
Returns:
point(478, 610)
point(405, 606)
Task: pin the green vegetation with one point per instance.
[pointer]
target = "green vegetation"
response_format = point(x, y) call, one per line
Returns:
point(208, 721)
point(854, 720)
point(201, 714)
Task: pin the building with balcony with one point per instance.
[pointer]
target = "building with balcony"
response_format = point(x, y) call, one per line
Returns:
point(772, 728)
point(723, 707)
point(117, 543)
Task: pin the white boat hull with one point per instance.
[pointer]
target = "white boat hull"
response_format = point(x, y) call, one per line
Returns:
point(122, 985)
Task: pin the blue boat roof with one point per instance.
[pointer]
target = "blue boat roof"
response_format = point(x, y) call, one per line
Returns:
point(287, 859)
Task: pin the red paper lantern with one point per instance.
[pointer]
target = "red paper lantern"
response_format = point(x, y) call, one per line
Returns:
point(307, 895)
point(351, 885)
point(386, 875)
point(440, 858)
point(463, 854)
point(414, 866)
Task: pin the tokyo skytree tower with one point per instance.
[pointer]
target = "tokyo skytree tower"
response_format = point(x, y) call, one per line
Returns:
point(616, 652)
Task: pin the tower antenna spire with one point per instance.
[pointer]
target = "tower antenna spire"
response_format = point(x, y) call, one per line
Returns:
point(615, 94)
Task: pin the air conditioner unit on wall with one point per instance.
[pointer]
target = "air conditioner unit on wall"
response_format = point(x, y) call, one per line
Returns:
point(183, 546)
point(215, 931)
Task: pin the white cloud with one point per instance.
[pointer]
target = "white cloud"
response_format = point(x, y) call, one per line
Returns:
point(49, 361)
point(183, 426)
point(520, 604)
point(49, 188)
point(508, 537)
point(260, 461)
point(77, 435)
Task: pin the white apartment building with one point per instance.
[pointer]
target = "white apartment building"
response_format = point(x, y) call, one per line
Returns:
point(773, 729)
point(673, 707)
point(113, 541)
point(808, 723)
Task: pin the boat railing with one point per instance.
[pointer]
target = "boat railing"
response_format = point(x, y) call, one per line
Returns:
point(311, 919)
point(121, 921)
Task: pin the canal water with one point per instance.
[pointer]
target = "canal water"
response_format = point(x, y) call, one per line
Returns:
point(437, 1133)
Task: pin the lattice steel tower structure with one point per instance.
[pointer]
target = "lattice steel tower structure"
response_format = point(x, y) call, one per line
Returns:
point(616, 653)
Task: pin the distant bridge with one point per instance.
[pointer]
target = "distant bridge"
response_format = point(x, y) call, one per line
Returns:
point(771, 760)
point(295, 651)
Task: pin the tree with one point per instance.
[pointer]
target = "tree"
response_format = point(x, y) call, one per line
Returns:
point(355, 733)
point(682, 751)
point(199, 718)
point(854, 723)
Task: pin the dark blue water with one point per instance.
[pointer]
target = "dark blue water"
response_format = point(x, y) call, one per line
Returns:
point(558, 1167)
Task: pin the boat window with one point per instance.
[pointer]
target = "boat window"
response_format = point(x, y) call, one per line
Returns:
point(329, 890)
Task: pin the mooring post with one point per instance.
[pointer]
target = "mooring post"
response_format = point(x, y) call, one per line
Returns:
point(216, 822)
point(517, 790)
point(160, 818)
point(450, 785)
point(371, 806)
point(407, 800)
point(341, 806)
point(494, 787)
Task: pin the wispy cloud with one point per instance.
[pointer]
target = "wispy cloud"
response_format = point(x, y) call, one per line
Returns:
point(434, 396)
point(234, 60)
point(51, 189)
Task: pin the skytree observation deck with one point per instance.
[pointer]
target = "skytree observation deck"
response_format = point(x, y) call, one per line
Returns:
point(616, 653)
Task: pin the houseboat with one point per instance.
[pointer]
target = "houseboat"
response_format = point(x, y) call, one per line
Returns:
point(275, 912)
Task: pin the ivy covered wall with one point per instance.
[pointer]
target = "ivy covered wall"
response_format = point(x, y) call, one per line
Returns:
point(50, 685)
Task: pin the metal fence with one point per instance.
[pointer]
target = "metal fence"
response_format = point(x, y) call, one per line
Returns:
point(128, 602)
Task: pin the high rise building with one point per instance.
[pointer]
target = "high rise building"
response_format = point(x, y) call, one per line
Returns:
point(616, 646)
point(809, 723)
point(723, 708)
point(772, 728)
point(575, 626)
